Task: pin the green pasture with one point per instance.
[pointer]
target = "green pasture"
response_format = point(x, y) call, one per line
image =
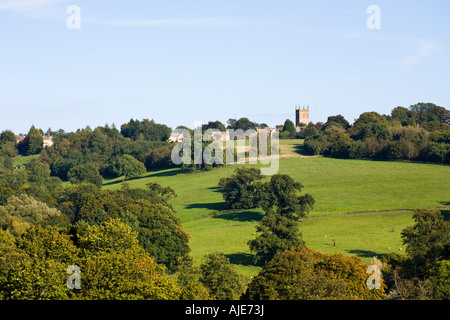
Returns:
point(361, 206)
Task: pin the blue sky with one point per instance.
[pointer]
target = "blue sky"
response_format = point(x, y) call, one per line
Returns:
point(183, 61)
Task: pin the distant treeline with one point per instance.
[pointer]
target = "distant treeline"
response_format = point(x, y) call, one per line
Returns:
point(418, 133)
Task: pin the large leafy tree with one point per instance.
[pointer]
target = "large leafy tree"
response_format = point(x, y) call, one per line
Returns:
point(146, 211)
point(39, 260)
point(428, 241)
point(424, 271)
point(115, 266)
point(305, 274)
point(338, 120)
point(147, 129)
point(241, 190)
point(220, 277)
point(128, 166)
point(281, 195)
point(289, 127)
point(87, 173)
point(277, 234)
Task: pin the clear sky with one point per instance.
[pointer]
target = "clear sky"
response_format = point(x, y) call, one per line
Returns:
point(180, 61)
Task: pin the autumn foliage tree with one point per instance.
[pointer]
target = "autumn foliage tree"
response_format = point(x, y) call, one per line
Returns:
point(112, 264)
point(302, 273)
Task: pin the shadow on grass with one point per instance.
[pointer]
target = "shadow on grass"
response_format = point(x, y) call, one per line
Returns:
point(149, 174)
point(165, 173)
point(217, 206)
point(365, 253)
point(300, 149)
point(215, 189)
point(243, 259)
point(241, 216)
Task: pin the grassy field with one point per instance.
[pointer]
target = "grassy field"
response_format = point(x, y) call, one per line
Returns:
point(361, 206)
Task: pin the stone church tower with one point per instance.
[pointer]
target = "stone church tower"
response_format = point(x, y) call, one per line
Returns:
point(301, 115)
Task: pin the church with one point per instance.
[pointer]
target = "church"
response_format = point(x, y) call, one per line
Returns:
point(301, 117)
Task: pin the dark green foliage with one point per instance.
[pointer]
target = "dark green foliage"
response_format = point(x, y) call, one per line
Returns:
point(423, 273)
point(280, 195)
point(220, 277)
point(310, 131)
point(428, 241)
point(338, 120)
point(147, 129)
point(280, 200)
point(85, 173)
point(187, 276)
point(419, 133)
point(128, 166)
point(242, 123)
point(289, 127)
point(278, 233)
point(105, 147)
point(161, 235)
point(7, 137)
point(159, 158)
point(240, 191)
point(32, 143)
point(38, 172)
point(159, 232)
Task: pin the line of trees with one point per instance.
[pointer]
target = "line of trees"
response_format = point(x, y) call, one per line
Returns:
point(420, 133)
point(86, 154)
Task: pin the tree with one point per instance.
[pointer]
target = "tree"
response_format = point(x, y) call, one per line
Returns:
point(310, 131)
point(115, 266)
point(428, 241)
point(161, 235)
point(278, 234)
point(37, 266)
point(32, 143)
point(128, 166)
point(441, 280)
point(112, 264)
point(404, 116)
point(7, 136)
point(423, 272)
point(240, 191)
point(429, 112)
point(220, 277)
point(242, 123)
point(187, 277)
point(148, 129)
point(338, 120)
point(38, 171)
point(85, 173)
point(21, 212)
point(289, 127)
point(159, 158)
point(280, 195)
point(302, 273)
point(370, 118)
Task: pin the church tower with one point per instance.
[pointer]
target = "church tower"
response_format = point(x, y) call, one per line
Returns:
point(301, 115)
